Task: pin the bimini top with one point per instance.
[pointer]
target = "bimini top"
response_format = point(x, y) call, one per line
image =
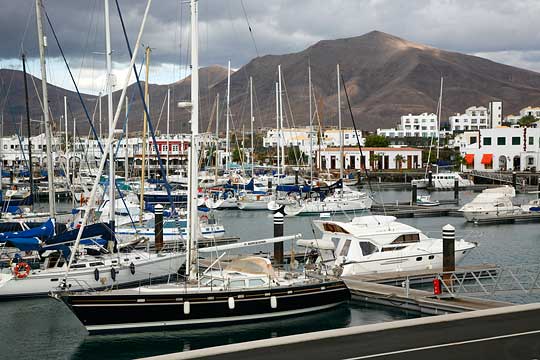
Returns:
point(251, 265)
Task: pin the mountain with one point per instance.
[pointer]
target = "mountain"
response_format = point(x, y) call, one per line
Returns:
point(385, 76)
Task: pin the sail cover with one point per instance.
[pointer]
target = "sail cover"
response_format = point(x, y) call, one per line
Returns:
point(45, 231)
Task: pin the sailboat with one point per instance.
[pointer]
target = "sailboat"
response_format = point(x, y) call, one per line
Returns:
point(247, 289)
point(84, 257)
point(442, 180)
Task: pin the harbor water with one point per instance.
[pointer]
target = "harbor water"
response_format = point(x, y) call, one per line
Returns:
point(46, 329)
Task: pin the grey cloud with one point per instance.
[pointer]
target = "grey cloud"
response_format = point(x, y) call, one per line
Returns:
point(473, 26)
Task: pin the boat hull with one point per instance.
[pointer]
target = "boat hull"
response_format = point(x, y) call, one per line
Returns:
point(120, 313)
point(41, 283)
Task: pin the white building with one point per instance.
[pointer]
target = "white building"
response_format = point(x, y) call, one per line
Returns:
point(331, 137)
point(528, 111)
point(290, 137)
point(475, 117)
point(423, 125)
point(502, 149)
point(14, 149)
point(495, 111)
point(383, 158)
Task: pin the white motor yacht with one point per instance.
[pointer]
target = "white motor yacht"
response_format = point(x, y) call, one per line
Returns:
point(344, 200)
point(491, 203)
point(376, 244)
point(442, 181)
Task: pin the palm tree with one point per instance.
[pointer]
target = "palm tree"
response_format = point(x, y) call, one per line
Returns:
point(399, 160)
point(374, 160)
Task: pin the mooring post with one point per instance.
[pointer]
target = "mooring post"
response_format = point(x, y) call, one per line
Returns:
point(449, 253)
point(278, 231)
point(270, 184)
point(430, 178)
point(456, 189)
point(296, 177)
point(158, 227)
point(414, 192)
point(514, 179)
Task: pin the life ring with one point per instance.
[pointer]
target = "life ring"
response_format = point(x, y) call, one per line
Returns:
point(83, 200)
point(21, 270)
point(203, 218)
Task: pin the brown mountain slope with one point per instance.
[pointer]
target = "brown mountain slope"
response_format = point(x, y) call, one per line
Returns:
point(386, 77)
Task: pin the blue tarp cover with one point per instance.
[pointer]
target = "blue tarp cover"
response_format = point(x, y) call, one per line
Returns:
point(24, 244)
point(45, 231)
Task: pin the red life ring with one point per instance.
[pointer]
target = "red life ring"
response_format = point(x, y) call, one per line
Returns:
point(204, 218)
point(21, 270)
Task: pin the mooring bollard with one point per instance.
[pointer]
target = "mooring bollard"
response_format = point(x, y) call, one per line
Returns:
point(270, 185)
point(295, 177)
point(158, 227)
point(514, 179)
point(414, 192)
point(456, 189)
point(449, 253)
point(278, 231)
point(430, 178)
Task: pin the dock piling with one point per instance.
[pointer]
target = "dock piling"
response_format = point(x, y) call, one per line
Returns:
point(430, 178)
point(449, 254)
point(158, 227)
point(514, 179)
point(414, 193)
point(456, 190)
point(278, 231)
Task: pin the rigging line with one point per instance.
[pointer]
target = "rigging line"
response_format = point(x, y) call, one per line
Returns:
point(249, 27)
point(30, 12)
point(82, 101)
point(296, 155)
point(147, 112)
point(355, 131)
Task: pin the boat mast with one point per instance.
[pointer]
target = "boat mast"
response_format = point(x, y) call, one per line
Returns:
point(48, 133)
point(282, 142)
point(217, 140)
point(112, 181)
point(339, 125)
point(168, 128)
point(28, 129)
point(126, 152)
point(100, 133)
point(252, 121)
point(310, 127)
point(227, 144)
point(191, 271)
point(277, 130)
point(439, 123)
point(66, 149)
point(141, 199)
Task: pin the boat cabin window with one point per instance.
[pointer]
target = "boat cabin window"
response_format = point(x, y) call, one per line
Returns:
point(367, 248)
point(345, 249)
point(334, 228)
point(407, 239)
point(256, 282)
point(237, 284)
point(216, 282)
point(97, 263)
point(392, 248)
point(78, 266)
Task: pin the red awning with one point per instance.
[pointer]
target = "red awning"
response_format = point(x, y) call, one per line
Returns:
point(469, 159)
point(487, 159)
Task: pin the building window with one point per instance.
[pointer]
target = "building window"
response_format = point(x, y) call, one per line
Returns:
point(487, 141)
point(164, 148)
point(472, 140)
point(174, 148)
point(531, 140)
point(501, 141)
point(516, 140)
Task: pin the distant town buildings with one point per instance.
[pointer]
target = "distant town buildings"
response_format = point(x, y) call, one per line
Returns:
point(382, 158)
point(423, 125)
point(527, 111)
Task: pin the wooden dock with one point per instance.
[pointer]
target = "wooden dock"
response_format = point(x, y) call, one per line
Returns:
point(416, 300)
point(409, 211)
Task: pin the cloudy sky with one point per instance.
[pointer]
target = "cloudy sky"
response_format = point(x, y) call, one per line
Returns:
point(504, 31)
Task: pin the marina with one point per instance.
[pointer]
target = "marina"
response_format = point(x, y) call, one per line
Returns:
point(142, 219)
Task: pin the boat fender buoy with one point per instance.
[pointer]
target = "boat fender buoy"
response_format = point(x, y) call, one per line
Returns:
point(21, 270)
point(96, 274)
point(113, 274)
point(231, 303)
point(273, 302)
point(132, 268)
